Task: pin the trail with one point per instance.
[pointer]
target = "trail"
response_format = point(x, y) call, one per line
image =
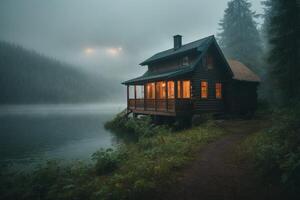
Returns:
point(217, 173)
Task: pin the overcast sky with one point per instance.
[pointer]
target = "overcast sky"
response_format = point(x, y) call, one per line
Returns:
point(110, 37)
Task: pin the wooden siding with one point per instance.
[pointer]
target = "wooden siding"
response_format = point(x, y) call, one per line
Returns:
point(215, 75)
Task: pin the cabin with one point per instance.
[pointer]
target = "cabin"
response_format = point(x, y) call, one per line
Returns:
point(192, 79)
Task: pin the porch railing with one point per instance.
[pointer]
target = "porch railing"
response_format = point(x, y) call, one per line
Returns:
point(161, 105)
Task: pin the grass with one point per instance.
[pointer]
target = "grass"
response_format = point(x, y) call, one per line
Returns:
point(139, 170)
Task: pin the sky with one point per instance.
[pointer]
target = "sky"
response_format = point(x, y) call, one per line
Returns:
point(108, 37)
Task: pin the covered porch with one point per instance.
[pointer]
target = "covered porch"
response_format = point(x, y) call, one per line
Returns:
point(161, 97)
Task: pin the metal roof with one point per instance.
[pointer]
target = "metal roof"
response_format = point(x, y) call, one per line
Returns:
point(241, 72)
point(199, 45)
point(151, 76)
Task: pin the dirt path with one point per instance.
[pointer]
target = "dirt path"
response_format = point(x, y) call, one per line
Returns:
point(216, 174)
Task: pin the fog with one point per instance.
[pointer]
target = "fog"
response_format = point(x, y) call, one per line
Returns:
point(108, 37)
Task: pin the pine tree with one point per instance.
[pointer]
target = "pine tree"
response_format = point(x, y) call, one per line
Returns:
point(284, 53)
point(239, 37)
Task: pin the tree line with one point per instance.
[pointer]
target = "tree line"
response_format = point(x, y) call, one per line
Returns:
point(272, 50)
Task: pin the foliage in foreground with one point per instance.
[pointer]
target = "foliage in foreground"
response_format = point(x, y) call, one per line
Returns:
point(276, 151)
point(135, 127)
point(133, 171)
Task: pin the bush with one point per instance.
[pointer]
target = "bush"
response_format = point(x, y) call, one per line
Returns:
point(276, 151)
point(107, 160)
point(134, 127)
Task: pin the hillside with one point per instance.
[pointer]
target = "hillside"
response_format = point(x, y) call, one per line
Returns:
point(28, 77)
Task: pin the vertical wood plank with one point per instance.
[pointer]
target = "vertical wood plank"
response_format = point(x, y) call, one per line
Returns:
point(145, 95)
point(166, 95)
point(135, 96)
point(127, 98)
point(175, 94)
point(155, 97)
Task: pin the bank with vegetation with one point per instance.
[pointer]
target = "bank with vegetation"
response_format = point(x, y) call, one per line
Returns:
point(136, 170)
point(275, 151)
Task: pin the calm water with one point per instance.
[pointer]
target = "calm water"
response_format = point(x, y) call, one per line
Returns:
point(30, 134)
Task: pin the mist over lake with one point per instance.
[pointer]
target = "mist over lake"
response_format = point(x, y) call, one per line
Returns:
point(34, 133)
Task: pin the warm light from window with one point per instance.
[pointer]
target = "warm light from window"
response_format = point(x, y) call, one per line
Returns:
point(161, 90)
point(186, 85)
point(204, 89)
point(150, 91)
point(218, 90)
point(171, 90)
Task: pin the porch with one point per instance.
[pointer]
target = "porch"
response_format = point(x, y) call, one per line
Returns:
point(169, 98)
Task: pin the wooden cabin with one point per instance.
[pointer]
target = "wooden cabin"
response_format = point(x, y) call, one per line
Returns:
point(192, 79)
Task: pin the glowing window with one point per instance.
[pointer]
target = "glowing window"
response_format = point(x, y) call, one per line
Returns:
point(171, 90)
point(186, 85)
point(161, 90)
point(219, 90)
point(150, 91)
point(204, 89)
point(179, 89)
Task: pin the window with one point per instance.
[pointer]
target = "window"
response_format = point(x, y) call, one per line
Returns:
point(179, 95)
point(150, 91)
point(186, 85)
point(139, 91)
point(161, 90)
point(185, 61)
point(204, 89)
point(131, 92)
point(219, 90)
point(171, 90)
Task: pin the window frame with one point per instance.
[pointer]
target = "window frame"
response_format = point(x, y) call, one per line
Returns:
point(180, 92)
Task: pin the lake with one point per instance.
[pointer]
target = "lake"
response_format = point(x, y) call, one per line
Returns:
point(31, 134)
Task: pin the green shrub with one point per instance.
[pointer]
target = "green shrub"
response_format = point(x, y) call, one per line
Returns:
point(135, 128)
point(276, 151)
point(106, 160)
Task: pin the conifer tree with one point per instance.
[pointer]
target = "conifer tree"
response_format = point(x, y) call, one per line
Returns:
point(284, 44)
point(239, 37)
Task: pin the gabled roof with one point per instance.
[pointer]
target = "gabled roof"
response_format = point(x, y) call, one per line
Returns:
point(241, 72)
point(237, 70)
point(199, 45)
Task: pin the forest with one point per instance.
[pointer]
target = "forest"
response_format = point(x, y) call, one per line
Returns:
point(28, 77)
point(153, 166)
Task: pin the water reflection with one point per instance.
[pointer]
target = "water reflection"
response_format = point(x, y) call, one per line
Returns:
point(33, 133)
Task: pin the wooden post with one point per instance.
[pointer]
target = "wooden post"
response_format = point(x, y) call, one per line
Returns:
point(175, 89)
point(155, 97)
point(166, 95)
point(135, 96)
point(175, 94)
point(145, 95)
point(127, 98)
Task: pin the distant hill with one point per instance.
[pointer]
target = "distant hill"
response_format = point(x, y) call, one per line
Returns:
point(28, 77)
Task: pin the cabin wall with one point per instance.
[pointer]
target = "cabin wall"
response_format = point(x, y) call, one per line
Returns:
point(215, 75)
point(241, 97)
